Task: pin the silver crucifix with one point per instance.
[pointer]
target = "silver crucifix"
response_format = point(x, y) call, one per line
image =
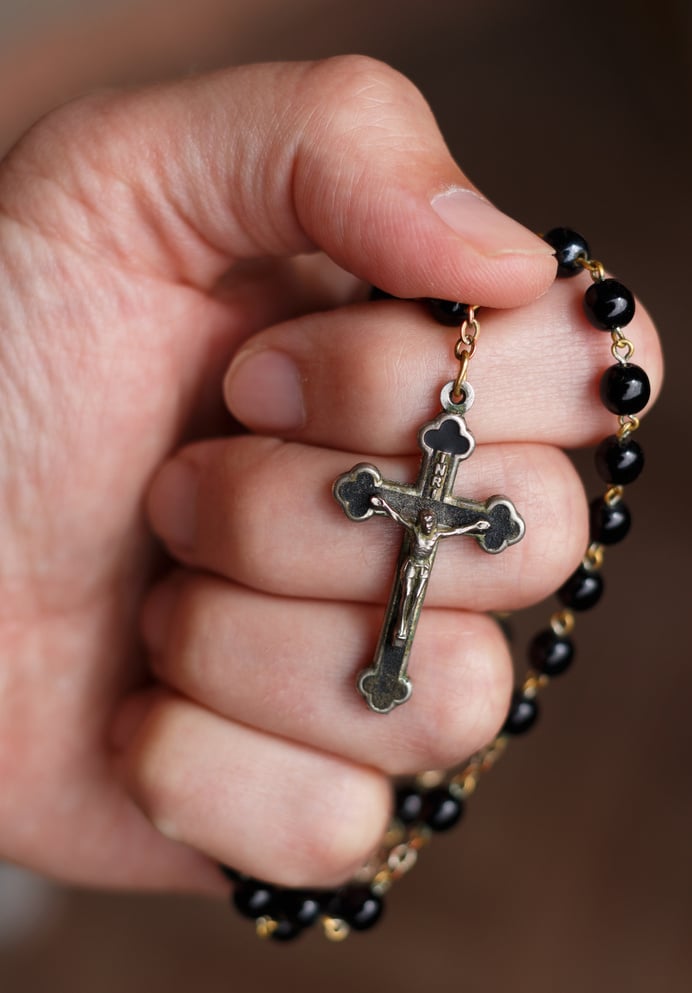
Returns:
point(428, 513)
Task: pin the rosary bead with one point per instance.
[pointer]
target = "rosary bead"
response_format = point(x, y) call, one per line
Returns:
point(582, 590)
point(408, 803)
point(550, 653)
point(523, 713)
point(285, 930)
point(608, 305)
point(569, 247)
point(299, 907)
point(619, 461)
point(451, 313)
point(441, 810)
point(609, 522)
point(358, 906)
point(377, 294)
point(231, 874)
point(254, 899)
point(625, 388)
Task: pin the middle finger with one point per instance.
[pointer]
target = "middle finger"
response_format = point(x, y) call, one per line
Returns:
point(260, 512)
point(365, 377)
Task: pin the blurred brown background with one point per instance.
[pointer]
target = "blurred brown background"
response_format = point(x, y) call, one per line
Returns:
point(573, 869)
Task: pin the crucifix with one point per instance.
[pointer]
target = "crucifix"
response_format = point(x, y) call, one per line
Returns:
point(427, 512)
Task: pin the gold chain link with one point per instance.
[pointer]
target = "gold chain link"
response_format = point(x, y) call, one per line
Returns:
point(628, 424)
point(595, 269)
point(464, 350)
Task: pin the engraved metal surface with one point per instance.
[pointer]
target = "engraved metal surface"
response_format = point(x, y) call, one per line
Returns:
point(427, 512)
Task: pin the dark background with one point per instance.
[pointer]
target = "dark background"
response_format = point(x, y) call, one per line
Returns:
point(572, 871)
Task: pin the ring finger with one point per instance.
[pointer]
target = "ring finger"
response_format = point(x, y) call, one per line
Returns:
point(288, 667)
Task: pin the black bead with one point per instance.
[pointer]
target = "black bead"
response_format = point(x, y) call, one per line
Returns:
point(523, 713)
point(254, 899)
point(550, 653)
point(608, 305)
point(625, 388)
point(300, 907)
point(582, 590)
point(441, 810)
point(448, 312)
point(619, 462)
point(358, 906)
point(285, 930)
point(609, 522)
point(407, 804)
point(569, 248)
point(231, 874)
point(377, 294)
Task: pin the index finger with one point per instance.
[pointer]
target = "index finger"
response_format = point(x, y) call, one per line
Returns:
point(342, 155)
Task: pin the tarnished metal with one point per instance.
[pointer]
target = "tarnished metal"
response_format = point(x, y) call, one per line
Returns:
point(428, 512)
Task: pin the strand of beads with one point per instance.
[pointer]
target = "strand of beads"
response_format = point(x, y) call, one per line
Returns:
point(435, 802)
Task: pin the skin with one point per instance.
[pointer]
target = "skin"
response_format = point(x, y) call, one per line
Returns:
point(154, 263)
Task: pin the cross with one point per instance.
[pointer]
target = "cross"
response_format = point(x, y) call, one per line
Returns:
point(427, 512)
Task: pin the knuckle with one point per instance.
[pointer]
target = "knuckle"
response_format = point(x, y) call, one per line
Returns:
point(358, 94)
point(554, 494)
point(354, 808)
point(70, 135)
point(243, 543)
point(359, 77)
point(466, 697)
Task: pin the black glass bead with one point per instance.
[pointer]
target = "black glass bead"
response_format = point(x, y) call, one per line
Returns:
point(608, 304)
point(377, 294)
point(231, 874)
point(523, 713)
point(609, 522)
point(569, 248)
point(619, 462)
point(300, 907)
point(441, 810)
point(285, 930)
point(625, 388)
point(582, 590)
point(358, 906)
point(408, 802)
point(254, 899)
point(451, 313)
point(550, 653)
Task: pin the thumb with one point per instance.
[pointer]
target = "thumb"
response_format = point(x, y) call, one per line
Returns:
point(342, 155)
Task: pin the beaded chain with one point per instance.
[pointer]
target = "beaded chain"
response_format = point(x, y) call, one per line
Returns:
point(433, 802)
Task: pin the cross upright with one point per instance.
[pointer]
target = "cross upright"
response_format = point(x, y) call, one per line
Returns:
point(428, 512)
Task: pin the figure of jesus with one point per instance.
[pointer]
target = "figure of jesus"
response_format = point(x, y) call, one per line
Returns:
point(424, 531)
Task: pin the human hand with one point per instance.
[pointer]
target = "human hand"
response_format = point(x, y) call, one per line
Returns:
point(146, 237)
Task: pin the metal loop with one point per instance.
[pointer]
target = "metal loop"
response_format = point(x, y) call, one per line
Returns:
point(401, 860)
point(458, 394)
point(447, 398)
point(628, 424)
point(335, 929)
point(593, 559)
point(467, 337)
point(613, 495)
point(595, 269)
point(461, 349)
point(562, 622)
point(622, 348)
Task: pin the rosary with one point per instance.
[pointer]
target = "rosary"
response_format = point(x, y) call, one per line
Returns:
point(427, 513)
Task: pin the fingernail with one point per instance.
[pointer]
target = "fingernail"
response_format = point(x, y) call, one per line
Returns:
point(265, 392)
point(484, 227)
point(173, 504)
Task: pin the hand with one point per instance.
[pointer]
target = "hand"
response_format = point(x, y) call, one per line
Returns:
point(147, 237)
